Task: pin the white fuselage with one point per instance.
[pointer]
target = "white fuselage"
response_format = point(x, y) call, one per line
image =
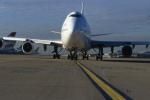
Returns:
point(75, 32)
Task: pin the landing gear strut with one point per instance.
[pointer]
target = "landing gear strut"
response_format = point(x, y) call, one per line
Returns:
point(56, 54)
point(100, 54)
point(112, 51)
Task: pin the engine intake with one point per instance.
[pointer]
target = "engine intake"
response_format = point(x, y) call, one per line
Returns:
point(126, 51)
point(27, 47)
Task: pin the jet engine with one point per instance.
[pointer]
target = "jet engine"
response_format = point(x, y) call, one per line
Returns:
point(126, 51)
point(27, 47)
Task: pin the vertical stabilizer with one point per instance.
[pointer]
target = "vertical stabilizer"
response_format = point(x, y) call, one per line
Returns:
point(12, 34)
point(82, 9)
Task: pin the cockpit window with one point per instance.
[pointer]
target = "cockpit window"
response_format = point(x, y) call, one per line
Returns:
point(75, 15)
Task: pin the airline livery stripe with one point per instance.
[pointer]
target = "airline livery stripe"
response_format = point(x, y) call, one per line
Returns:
point(101, 84)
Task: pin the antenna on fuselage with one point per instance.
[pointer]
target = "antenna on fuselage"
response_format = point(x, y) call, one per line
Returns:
point(82, 9)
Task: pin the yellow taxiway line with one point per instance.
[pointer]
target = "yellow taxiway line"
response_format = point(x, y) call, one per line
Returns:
point(101, 84)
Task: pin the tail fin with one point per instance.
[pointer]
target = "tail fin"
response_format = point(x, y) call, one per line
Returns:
point(12, 34)
point(82, 9)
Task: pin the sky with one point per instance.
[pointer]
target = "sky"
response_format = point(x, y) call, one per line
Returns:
point(126, 20)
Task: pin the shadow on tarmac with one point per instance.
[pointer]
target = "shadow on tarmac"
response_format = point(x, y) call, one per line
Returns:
point(105, 60)
point(130, 61)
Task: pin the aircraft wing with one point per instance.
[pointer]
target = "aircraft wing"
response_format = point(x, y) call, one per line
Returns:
point(37, 41)
point(96, 43)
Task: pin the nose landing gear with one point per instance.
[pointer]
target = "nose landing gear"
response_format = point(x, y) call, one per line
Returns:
point(73, 55)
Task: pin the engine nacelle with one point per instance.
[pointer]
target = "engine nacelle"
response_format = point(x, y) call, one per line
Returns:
point(27, 47)
point(126, 51)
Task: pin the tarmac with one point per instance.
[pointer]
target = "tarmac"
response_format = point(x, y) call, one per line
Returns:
point(25, 77)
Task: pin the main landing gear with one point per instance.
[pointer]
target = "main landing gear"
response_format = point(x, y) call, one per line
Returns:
point(112, 51)
point(85, 55)
point(100, 54)
point(56, 54)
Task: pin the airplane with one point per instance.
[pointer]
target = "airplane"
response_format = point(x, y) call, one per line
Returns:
point(76, 37)
point(9, 47)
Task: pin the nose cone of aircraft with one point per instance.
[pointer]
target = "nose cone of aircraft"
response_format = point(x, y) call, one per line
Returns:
point(75, 21)
point(74, 28)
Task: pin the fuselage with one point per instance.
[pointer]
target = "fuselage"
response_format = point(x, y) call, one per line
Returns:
point(75, 32)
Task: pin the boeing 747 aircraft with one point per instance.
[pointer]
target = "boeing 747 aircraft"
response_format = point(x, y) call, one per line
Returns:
point(76, 37)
